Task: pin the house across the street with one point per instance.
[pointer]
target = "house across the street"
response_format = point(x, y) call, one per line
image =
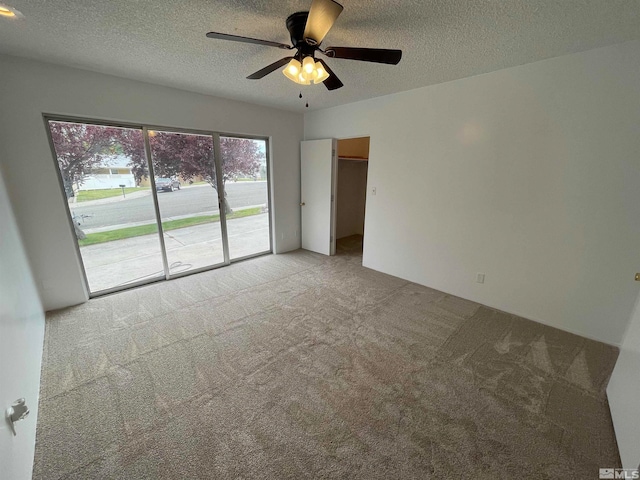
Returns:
point(114, 172)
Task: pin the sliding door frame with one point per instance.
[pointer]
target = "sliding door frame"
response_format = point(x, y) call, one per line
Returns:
point(269, 204)
point(156, 204)
point(221, 194)
point(223, 224)
point(218, 166)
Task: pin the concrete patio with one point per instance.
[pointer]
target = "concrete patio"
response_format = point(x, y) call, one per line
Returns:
point(120, 262)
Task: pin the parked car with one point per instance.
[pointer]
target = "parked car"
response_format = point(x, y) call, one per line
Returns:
point(167, 184)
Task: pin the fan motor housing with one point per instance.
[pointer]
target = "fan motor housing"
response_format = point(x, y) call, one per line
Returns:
point(296, 24)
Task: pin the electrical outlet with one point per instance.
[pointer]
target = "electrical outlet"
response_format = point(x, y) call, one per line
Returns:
point(480, 278)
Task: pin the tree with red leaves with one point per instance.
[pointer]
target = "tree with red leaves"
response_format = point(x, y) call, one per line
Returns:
point(240, 157)
point(80, 148)
point(191, 156)
point(131, 144)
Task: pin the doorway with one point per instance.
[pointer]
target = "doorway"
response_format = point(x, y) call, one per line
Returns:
point(147, 204)
point(351, 194)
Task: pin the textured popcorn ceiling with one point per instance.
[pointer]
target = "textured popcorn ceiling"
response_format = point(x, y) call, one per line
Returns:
point(164, 42)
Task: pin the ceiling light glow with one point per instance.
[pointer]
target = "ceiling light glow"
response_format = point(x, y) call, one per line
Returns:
point(308, 65)
point(294, 68)
point(302, 81)
point(9, 12)
point(321, 73)
point(305, 73)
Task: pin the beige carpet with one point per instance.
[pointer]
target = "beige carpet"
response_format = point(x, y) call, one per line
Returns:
point(305, 366)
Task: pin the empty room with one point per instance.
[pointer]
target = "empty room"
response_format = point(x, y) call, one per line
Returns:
point(319, 239)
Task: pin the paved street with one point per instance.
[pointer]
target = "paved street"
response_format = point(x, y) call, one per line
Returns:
point(120, 262)
point(186, 201)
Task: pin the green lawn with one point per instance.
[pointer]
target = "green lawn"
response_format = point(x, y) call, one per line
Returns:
point(86, 195)
point(128, 232)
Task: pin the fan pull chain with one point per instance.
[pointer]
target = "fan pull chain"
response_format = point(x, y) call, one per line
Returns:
point(300, 96)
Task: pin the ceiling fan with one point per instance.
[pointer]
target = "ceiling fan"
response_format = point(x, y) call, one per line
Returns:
point(307, 30)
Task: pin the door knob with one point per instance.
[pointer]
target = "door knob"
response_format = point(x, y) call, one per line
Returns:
point(302, 204)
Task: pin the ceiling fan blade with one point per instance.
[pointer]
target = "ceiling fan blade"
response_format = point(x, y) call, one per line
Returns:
point(322, 15)
point(333, 82)
point(377, 55)
point(271, 68)
point(237, 38)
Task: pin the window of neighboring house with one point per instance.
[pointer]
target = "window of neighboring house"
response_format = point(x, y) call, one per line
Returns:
point(113, 171)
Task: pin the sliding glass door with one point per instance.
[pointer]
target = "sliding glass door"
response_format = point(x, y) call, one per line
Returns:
point(245, 174)
point(185, 182)
point(147, 204)
point(112, 214)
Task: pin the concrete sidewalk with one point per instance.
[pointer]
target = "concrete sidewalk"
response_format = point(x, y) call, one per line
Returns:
point(130, 260)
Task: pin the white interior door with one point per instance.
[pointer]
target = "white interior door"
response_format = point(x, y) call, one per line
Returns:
point(318, 159)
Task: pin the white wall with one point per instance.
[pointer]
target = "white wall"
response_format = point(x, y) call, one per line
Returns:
point(530, 175)
point(351, 197)
point(30, 172)
point(624, 391)
point(21, 337)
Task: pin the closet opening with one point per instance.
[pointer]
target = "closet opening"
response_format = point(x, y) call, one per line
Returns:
point(351, 194)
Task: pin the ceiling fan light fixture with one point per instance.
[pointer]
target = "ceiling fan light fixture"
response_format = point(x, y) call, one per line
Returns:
point(292, 70)
point(303, 81)
point(305, 73)
point(308, 68)
point(308, 65)
point(294, 67)
point(321, 73)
